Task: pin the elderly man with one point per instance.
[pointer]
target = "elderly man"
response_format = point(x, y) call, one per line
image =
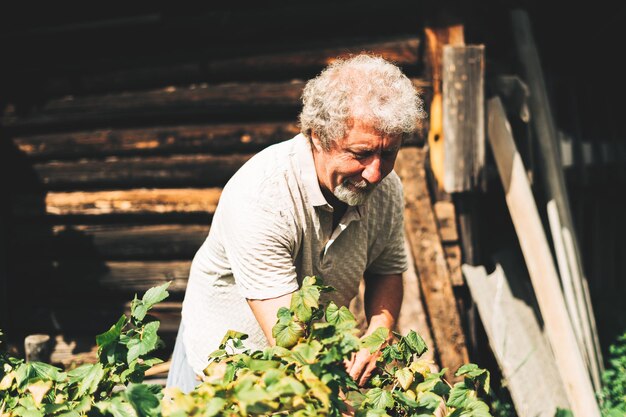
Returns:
point(324, 203)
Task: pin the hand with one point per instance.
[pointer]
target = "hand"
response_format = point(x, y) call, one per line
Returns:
point(361, 365)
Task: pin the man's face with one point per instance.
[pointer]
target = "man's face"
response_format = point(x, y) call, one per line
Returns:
point(354, 165)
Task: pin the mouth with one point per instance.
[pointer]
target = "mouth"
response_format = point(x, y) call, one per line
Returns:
point(359, 186)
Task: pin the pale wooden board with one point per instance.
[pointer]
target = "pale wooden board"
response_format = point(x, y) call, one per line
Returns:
point(516, 338)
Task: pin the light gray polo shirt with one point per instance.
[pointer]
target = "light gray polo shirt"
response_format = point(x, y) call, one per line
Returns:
point(271, 228)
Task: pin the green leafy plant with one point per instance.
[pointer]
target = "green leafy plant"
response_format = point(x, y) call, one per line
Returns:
point(111, 386)
point(613, 394)
point(304, 374)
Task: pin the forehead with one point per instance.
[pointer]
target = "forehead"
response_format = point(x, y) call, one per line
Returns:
point(366, 136)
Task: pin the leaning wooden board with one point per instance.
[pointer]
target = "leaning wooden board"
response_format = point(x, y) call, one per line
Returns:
point(521, 348)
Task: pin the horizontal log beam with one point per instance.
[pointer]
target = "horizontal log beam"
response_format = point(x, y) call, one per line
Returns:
point(136, 202)
point(200, 101)
point(109, 242)
point(308, 60)
point(166, 172)
point(215, 139)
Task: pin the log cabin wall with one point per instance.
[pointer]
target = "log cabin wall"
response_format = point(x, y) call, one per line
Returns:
point(115, 155)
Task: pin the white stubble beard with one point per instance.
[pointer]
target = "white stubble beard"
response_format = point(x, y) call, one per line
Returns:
point(349, 194)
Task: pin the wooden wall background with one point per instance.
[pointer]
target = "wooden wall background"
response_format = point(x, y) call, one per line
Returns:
point(115, 156)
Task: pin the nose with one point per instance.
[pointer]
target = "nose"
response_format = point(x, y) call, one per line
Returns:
point(372, 172)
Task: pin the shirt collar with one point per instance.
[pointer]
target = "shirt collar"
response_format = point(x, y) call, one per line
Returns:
point(308, 174)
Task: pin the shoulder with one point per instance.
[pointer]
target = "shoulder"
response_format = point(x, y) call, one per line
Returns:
point(266, 178)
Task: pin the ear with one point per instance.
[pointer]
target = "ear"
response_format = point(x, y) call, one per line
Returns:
point(315, 140)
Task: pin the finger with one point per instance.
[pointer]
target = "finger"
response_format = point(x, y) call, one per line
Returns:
point(349, 363)
point(360, 362)
point(367, 373)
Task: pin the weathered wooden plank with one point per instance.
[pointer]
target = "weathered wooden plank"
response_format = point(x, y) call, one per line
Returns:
point(138, 202)
point(515, 335)
point(454, 259)
point(543, 275)
point(134, 172)
point(108, 242)
point(463, 117)
point(445, 213)
point(201, 100)
point(430, 263)
point(214, 139)
point(413, 313)
point(436, 38)
point(554, 184)
point(309, 59)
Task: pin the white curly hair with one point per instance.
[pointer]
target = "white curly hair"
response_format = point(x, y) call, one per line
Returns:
point(363, 87)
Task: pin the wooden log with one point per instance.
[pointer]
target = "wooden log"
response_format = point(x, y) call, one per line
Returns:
point(544, 278)
point(430, 263)
point(171, 103)
point(138, 203)
point(214, 139)
point(515, 336)
point(463, 117)
point(37, 348)
point(544, 125)
point(307, 60)
point(110, 242)
point(162, 172)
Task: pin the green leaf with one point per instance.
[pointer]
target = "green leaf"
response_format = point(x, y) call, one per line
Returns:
point(305, 300)
point(374, 341)
point(477, 375)
point(90, 380)
point(37, 371)
point(405, 378)
point(214, 406)
point(379, 398)
point(342, 318)
point(139, 308)
point(112, 334)
point(459, 395)
point(232, 335)
point(287, 333)
point(415, 343)
point(306, 353)
point(146, 343)
point(429, 401)
point(117, 408)
point(402, 398)
point(143, 400)
point(562, 412)
point(25, 412)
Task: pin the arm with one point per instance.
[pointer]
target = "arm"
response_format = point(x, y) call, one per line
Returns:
point(383, 298)
point(265, 313)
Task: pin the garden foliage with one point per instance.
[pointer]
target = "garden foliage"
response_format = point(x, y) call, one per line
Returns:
point(303, 375)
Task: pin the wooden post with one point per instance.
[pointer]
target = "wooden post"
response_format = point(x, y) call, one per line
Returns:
point(436, 38)
point(549, 156)
point(543, 275)
point(430, 263)
point(37, 348)
point(463, 117)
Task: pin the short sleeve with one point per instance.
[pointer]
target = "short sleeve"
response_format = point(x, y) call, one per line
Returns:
point(259, 242)
point(392, 259)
